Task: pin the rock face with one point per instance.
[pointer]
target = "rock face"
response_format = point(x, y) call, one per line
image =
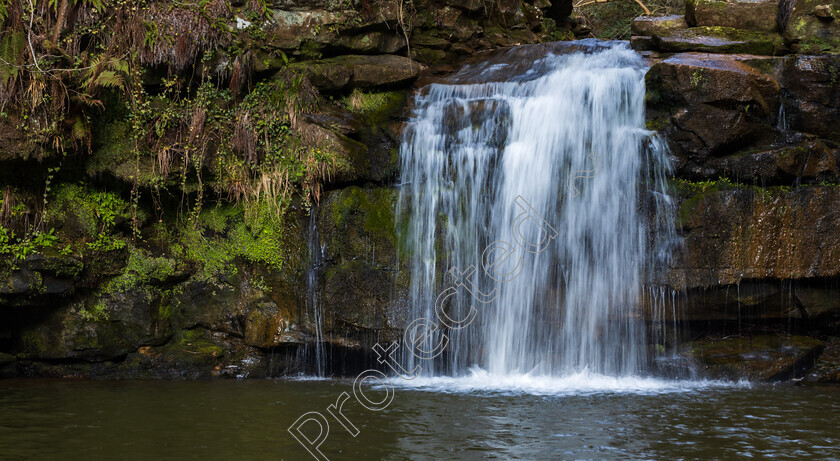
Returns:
point(743, 234)
point(363, 289)
point(753, 133)
point(747, 117)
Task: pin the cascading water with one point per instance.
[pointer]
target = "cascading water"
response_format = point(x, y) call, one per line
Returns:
point(562, 126)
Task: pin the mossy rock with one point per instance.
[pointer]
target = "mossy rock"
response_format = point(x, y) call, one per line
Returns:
point(357, 223)
point(359, 71)
point(722, 40)
point(813, 28)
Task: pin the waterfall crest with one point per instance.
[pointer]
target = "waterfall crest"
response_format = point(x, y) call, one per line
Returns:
point(562, 126)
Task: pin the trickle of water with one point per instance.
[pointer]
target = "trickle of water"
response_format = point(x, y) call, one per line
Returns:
point(562, 126)
point(313, 305)
point(781, 122)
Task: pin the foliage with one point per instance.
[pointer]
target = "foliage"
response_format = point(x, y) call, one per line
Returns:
point(611, 19)
point(231, 233)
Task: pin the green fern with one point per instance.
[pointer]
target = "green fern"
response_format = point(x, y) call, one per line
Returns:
point(11, 54)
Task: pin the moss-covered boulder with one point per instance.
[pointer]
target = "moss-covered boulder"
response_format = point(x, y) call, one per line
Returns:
point(756, 358)
point(814, 26)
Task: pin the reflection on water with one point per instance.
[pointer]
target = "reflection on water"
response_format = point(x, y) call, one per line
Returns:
point(75, 420)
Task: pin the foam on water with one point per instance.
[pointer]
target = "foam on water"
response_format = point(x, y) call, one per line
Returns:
point(581, 383)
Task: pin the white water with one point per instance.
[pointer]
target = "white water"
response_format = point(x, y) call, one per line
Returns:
point(563, 127)
point(580, 383)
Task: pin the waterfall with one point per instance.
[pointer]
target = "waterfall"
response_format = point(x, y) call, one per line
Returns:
point(562, 127)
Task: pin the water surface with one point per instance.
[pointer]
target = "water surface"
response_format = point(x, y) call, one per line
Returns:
point(248, 420)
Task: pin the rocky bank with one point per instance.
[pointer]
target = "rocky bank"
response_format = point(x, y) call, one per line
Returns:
point(148, 263)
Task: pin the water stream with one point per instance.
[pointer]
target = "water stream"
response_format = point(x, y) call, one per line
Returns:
point(562, 128)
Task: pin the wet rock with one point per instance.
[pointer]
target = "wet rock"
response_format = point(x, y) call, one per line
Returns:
point(266, 326)
point(657, 25)
point(714, 103)
point(756, 358)
point(809, 161)
point(8, 366)
point(817, 301)
point(749, 15)
point(363, 288)
point(721, 40)
point(812, 88)
point(751, 233)
point(359, 71)
point(812, 28)
point(39, 276)
point(827, 367)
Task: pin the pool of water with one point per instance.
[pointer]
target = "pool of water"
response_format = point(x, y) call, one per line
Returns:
point(440, 419)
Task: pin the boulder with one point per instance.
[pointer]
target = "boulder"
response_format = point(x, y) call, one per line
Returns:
point(753, 15)
point(827, 367)
point(812, 85)
point(813, 27)
point(359, 71)
point(721, 40)
point(713, 103)
point(657, 25)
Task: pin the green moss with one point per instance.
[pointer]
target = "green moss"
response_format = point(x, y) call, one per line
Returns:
point(196, 341)
point(375, 106)
point(225, 234)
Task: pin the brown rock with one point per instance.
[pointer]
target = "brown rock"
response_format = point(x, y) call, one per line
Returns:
point(813, 87)
point(748, 15)
point(657, 25)
point(735, 234)
point(764, 358)
point(359, 71)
